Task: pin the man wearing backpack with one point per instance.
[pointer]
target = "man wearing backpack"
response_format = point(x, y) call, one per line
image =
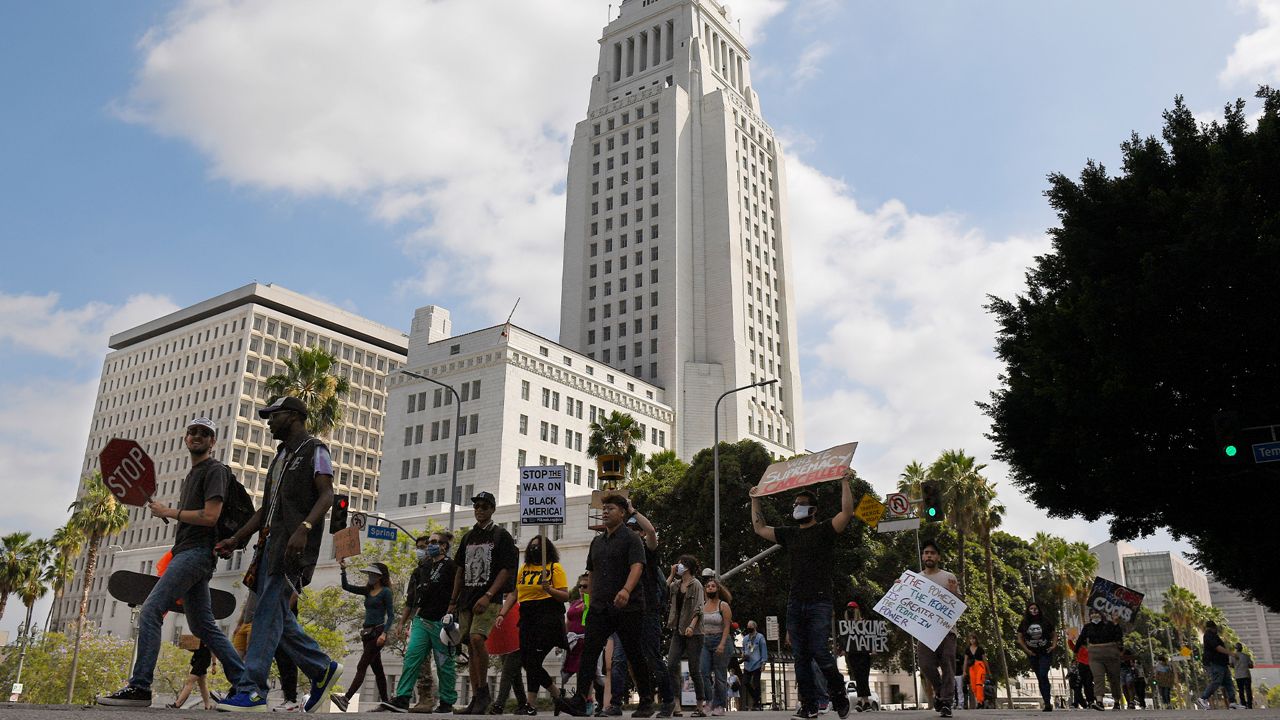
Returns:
point(187, 577)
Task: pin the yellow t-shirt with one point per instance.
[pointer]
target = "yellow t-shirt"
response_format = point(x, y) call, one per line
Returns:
point(529, 581)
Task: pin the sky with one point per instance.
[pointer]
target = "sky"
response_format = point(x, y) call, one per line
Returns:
point(397, 153)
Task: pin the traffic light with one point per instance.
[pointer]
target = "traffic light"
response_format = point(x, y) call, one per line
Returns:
point(338, 520)
point(1229, 446)
point(931, 507)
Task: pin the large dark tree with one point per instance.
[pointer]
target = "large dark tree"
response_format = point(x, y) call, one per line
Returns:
point(1155, 310)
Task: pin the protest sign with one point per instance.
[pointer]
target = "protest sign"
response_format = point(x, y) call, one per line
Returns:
point(346, 543)
point(869, 636)
point(1113, 600)
point(829, 464)
point(542, 495)
point(926, 610)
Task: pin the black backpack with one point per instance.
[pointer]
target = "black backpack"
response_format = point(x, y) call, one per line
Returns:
point(237, 508)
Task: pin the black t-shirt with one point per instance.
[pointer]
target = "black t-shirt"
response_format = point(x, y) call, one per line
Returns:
point(651, 580)
point(813, 557)
point(1037, 633)
point(1211, 654)
point(482, 554)
point(972, 656)
point(430, 588)
point(609, 561)
point(206, 481)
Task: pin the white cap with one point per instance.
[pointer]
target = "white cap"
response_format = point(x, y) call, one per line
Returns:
point(204, 422)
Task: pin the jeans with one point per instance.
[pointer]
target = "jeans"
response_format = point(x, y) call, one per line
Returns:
point(715, 667)
point(1086, 682)
point(603, 622)
point(274, 625)
point(1246, 691)
point(1219, 677)
point(1166, 696)
point(751, 689)
point(688, 649)
point(617, 673)
point(1040, 665)
point(939, 667)
point(187, 578)
point(859, 664)
point(424, 645)
point(809, 623)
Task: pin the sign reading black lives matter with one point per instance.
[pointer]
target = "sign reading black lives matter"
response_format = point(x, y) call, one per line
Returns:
point(868, 636)
point(1113, 600)
point(542, 500)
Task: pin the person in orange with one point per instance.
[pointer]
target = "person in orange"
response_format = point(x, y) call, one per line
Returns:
point(975, 668)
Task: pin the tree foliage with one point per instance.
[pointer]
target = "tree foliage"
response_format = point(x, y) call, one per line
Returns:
point(311, 376)
point(1151, 313)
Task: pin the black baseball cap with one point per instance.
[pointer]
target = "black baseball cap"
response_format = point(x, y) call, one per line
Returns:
point(485, 497)
point(282, 404)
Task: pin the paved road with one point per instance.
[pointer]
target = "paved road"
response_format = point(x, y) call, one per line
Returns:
point(66, 712)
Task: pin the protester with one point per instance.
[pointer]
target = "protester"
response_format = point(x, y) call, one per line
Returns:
point(299, 492)
point(187, 576)
point(486, 560)
point(1240, 664)
point(200, 660)
point(1081, 651)
point(938, 665)
point(1037, 638)
point(717, 617)
point(755, 653)
point(1164, 680)
point(542, 589)
point(503, 645)
point(1135, 685)
point(857, 657)
point(811, 548)
point(616, 562)
point(1217, 662)
point(379, 614)
point(1103, 639)
point(685, 622)
point(655, 598)
point(576, 632)
point(426, 599)
point(975, 669)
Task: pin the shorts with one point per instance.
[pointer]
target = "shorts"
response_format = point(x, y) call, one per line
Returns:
point(470, 623)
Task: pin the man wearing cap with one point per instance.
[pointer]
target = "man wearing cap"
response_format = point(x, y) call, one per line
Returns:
point(427, 599)
point(487, 558)
point(187, 577)
point(299, 492)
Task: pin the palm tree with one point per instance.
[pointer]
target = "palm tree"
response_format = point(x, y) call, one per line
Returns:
point(989, 516)
point(614, 436)
point(65, 543)
point(309, 377)
point(32, 588)
point(911, 477)
point(12, 549)
point(962, 488)
point(1182, 608)
point(96, 514)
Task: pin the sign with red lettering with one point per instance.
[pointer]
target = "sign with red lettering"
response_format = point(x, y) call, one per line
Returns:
point(1114, 601)
point(128, 472)
point(830, 464)
point(925, 609)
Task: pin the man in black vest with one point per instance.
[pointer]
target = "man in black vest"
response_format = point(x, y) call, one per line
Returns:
point(299, 492)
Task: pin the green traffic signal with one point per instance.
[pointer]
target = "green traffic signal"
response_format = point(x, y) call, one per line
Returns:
point(933, 511)
point(1230, 450)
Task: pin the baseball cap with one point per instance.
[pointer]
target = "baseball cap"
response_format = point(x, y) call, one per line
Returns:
point(486, 497)
point(708, 572)
point(282, 404)
point(204, 422)
point(853, 605)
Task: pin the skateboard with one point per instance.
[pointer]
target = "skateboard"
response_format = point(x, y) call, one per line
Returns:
point(132, 588)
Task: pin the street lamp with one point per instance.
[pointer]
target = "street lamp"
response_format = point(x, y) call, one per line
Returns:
point(457, 401)
point(715, 453)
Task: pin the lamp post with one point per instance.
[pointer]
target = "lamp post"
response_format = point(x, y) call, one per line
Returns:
point(715, 454)
point(457, 400)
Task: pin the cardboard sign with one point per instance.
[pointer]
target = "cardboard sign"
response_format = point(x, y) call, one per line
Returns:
point(869, 510)
point(830, 464)
point(346, 542)
point(869, 636)
point(1113, 600)
point(542, 495)
point(189, 642)
point(926, 610)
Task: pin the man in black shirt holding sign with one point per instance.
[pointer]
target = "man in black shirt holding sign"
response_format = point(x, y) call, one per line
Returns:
point(811, 547)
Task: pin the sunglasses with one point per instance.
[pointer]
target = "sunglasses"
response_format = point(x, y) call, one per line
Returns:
point(200, 432)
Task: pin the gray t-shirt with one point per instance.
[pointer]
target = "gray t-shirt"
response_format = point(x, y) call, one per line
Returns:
point(206, 481)
point(1240, 666)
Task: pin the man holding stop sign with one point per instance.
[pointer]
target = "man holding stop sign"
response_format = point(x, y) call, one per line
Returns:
point(189, 571)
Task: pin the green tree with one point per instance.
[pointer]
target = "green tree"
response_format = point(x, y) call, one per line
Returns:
point(616, 434)
point(310, 375)
point(103, 667)
point(963, 489)
point(12, 549)
point(65, 543)
point(1143, 321)
point(95, 514)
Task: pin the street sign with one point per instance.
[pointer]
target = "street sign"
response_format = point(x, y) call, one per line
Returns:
point(771, 628)
point(830, 464)
point(888, 526)
point(377, 532)
point(897, 504)
point(542, 495)
point(869, 510)
point(1266, 452)
point(128, 472)
point(358, 521)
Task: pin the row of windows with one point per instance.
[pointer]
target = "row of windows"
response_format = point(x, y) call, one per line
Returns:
point(653, 46)
point(437, 464)
point(468, 391)
point(625, 117)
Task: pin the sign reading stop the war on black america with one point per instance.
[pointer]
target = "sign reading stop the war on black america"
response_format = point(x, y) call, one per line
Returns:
point(542, 495)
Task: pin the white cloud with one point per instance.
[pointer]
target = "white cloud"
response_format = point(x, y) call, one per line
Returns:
point(809, 64)
point(37, 323)
point(1255, 59)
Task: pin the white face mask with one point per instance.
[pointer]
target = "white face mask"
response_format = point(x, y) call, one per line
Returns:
point(680, 568)
point(420, 553)
point(803, 512)
point(1095, 621)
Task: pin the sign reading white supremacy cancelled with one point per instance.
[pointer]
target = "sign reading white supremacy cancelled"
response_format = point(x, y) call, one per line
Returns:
point(829, 464)
point(926, 610)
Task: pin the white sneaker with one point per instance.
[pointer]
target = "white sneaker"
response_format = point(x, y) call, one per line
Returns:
point(1202, 703)
point(287, 706)
point(1236, 706)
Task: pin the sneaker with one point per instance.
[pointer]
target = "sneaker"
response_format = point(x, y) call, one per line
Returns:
point(841, 705)
point(613, 711)
point(805, 713)
point(824, 707)
point(399, 703)
point(1236, 706)
point(1048, 707)
point(698, 711)
point(287, 706)
point(129, 696)
point(666, 710)
point(339, 701)
point(645, 709)
point(717, 712)
point(526, 709)
point(443, 708)
point(243, 702)
point(497, 708)
point(320, 689)
point(574, 705)
point(1097, 705)
point(945, 709)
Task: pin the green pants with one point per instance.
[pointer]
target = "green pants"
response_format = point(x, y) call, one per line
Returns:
point(424, 641)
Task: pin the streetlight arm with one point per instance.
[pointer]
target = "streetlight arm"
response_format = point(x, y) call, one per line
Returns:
point(715, 453)
point(457, 422)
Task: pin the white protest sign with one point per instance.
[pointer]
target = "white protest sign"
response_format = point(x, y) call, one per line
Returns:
point(542, 500)
point(926, 610)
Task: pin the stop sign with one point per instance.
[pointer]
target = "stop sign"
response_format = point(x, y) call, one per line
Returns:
point(128, 472)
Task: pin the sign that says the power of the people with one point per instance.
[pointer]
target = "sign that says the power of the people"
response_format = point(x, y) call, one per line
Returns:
point(542, 495)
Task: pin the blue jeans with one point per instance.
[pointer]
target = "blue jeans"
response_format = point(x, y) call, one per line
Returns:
point(1219, 677)
point(809, 624)
point(275, 625)
point(715, 667)
point(1040, 665)
point(187, 577)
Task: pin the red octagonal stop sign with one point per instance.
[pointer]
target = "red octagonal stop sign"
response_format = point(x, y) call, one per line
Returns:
point(128, 472)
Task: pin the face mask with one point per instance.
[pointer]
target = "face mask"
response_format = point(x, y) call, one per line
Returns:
point(434, 551)
point(680, 569)
point(1095, 621)
point(803, 512)
point(420, 553)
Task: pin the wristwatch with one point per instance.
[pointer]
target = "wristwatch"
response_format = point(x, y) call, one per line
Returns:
point(306, 524)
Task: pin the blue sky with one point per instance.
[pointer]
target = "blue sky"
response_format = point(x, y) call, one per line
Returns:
point(388, 155)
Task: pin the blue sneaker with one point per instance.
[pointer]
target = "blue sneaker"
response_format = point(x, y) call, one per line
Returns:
point(243, 702)
point(320, 689)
